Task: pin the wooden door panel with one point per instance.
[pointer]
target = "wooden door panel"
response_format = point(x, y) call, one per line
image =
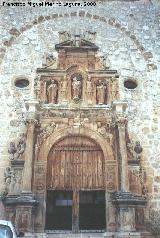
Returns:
point(75, 165)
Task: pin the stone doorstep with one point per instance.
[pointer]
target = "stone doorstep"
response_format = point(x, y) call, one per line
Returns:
point(92, 235)
point(69, 235)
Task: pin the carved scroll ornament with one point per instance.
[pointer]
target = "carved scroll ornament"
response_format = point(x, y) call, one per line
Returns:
point(44, 133)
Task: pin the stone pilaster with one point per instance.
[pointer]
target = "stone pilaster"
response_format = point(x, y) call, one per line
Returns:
point(121, 122)
point(27, 172)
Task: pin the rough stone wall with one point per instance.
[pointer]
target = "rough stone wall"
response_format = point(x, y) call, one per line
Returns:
point(127, 34)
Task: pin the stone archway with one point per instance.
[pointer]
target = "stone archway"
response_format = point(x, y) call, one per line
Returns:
point(40, 175)
point(75, 185)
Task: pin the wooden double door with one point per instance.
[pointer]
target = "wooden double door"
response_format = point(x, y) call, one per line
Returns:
point(75, 186)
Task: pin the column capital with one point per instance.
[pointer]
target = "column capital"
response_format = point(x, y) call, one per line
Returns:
point(32, 122)
point(121, 121)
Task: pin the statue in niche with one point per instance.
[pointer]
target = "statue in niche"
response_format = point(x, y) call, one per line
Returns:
point(52, 91)
point(64, 85)
point(89, 87)
point(76, 88)
point(100, 92)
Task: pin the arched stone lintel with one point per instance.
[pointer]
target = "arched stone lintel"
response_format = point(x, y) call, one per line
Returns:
point(81, 131)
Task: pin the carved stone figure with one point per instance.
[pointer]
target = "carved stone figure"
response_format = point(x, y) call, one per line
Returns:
point(89, 87)
point(18, 180)
point(135, 149)
point(17, 151)
point(12, 150)
point(100, 91)
point(76, 88)
point(9, 176)
point(21, 146)
point(52, 92)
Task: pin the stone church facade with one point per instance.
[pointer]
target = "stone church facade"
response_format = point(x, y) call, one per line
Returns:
point(80, 118)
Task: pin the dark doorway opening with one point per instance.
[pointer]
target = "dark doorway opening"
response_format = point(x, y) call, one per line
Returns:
point(92, 210)
point(59, 210)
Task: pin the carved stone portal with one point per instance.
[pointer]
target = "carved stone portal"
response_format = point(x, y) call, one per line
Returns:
point(76, 156)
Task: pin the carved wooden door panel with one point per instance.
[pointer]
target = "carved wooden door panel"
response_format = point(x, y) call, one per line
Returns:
point(75, 164)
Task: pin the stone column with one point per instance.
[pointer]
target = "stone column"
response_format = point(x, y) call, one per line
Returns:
point(27, 172)
point(121, 122)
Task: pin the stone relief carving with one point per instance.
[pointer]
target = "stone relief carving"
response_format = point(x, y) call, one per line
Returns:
point(134, 181)
point(52, 91)
point(135, 149)
point(103, 130)
point(9, 176)
point(111, 177)
point(49, 61)
point(102, 62)
point(64, 36)
point(44, 133)
point(16, 152)
point(13, 181)
point(100, 92)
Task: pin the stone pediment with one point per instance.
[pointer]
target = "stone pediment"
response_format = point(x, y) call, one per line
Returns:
point(77, 43)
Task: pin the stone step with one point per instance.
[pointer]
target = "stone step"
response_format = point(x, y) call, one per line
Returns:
point(79, 235)
point(68, 235)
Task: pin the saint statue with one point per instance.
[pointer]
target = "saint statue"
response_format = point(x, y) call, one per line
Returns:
point(100, 90)
point(77, 88)
point(52, 92)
